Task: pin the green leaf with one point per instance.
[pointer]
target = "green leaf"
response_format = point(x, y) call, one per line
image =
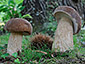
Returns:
point(4, 55)
point(21, 8)
point(3, 8)
point(18, 1)
point(11, 2)
point(15, 54)
point(27, 15)
point(17, 60)
point(1, 48)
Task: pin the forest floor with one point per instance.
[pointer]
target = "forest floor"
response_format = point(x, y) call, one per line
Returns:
point(28, 56)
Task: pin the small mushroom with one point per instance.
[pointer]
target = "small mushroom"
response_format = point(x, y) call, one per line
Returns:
point(69, 23)
point(18, 27)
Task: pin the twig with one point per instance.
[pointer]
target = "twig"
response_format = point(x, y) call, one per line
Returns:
point(41, 52)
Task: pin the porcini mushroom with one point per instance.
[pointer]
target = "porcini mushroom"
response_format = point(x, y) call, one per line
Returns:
point(69, 23)
point(18, 27)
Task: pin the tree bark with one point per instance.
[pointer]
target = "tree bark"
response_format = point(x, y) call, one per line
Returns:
point(38, 9)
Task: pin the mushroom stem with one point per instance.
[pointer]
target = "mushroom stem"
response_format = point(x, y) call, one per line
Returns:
point(63, 36)
point(14, 43)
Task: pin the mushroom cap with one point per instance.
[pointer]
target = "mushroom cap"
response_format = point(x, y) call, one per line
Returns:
point(72, 14)
point(18, 25)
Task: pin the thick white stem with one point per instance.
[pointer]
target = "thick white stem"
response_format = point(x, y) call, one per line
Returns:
point(14, 43)
point(63, 36)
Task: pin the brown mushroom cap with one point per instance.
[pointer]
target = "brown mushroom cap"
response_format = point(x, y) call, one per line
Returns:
point(18, 25)
point(69, 12)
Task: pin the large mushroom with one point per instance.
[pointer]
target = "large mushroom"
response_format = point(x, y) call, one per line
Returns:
point(69, 23)
point(18, 27)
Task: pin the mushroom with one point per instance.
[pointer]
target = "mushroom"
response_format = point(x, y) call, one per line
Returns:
point(69, 23)
point(18, 27)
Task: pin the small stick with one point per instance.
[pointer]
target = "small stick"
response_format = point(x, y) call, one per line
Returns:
point(41, 52)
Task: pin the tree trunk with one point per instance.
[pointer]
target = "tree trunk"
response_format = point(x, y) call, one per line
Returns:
point(37, 9)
